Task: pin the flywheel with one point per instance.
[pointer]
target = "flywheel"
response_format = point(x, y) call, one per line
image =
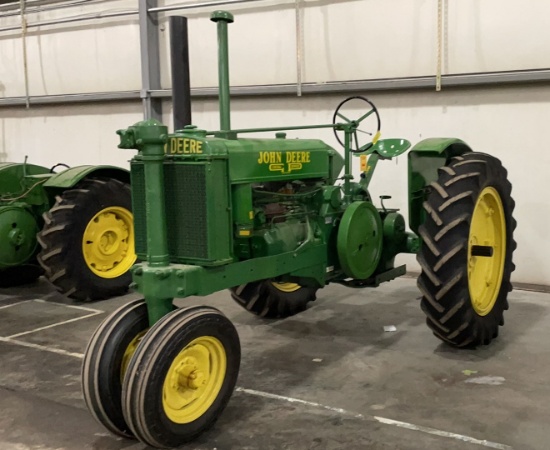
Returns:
point(359, 241)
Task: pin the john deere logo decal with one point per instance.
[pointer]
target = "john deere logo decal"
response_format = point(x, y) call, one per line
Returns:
point(284, 162)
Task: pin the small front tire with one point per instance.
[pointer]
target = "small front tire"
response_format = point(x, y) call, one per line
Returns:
point(181, 377)
point(105, 362)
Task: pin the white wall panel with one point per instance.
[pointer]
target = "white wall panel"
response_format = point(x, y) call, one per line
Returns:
point(71, 58)
point(73, 135)
point(343, 40)
point(492, 35)
point(262, 48)
point(367, 39)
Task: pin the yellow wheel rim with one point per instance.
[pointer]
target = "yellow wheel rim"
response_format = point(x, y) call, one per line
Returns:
point(488, 229)
point(194, 380)
point(129, 352)
point(108, 242)
point(286, 287)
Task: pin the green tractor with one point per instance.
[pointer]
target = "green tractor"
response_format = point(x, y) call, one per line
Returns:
point(75, 227)
point(270, 220)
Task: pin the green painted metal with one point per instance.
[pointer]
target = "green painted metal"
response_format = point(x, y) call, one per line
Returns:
point(360, 240)
point(27, 191)
point(214, 210)
point(18, 228)
point(22, 203)
point(449, 146)
point(149, 137)
point(223, 18)
point(71, 177)
point(390, 148)
point(159, 285)
point(260, 160)
point(423, 161)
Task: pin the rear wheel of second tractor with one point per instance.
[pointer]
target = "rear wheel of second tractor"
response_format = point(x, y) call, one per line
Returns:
point(466, 253)
point(88, 240)
point(273, 299)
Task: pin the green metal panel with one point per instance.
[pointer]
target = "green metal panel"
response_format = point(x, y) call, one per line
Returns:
point(24, 183)
point(197, 211)
point(70, 177)
point(255, 160)
point(18, 228)
point(243, 210)
point(138, 208)
point(178, 280)
point(424, 159)
point(223, 18)
point(12, 175)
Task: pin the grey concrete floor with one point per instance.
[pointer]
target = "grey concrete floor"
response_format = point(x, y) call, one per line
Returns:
point(328, 378)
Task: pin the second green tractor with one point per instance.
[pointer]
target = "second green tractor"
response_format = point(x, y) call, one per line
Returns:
point(74, 227)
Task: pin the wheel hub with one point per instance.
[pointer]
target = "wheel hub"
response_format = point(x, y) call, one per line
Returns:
point(108, 242)
point(486, 251)
point(194, 379)
point(359, 241)
point(17, 230)
point(190, 376)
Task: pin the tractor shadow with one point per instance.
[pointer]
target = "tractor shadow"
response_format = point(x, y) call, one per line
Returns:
point(342, 326)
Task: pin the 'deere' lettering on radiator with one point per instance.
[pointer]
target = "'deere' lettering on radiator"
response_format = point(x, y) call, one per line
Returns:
point(183, 146)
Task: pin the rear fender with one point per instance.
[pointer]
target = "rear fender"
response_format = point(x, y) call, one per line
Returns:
point(423, 161)
point(71, 177)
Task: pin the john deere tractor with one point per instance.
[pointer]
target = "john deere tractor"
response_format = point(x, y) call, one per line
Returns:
point(75, 227)
point(273, 220)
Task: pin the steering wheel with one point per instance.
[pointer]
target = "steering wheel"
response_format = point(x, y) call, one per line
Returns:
point(372, 125)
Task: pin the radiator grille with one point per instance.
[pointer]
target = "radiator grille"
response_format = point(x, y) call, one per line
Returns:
point(186, 214)
point(186, 210)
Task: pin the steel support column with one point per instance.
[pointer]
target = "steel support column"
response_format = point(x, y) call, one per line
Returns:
point(150, 61)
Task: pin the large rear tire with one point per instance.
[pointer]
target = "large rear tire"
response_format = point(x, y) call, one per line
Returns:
point(272, 299)
point(105, 362)
point(181, 377)
point(466, 253)
point(88, 240)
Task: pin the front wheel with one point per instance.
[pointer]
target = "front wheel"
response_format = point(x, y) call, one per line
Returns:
point(273, 299)
point(106, 360)
point(466, 253)
point(181, 376)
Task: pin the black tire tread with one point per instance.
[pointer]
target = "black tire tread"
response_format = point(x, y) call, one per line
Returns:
point(59, 236)
point(147, 356)
point(443, 281)
point(99, 398)
point(265, 300)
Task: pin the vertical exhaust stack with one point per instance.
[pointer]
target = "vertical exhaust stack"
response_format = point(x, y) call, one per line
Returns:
point(223, 18)
point(181, 86)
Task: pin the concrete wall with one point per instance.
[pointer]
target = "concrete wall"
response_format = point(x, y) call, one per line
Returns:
point(346, 40)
